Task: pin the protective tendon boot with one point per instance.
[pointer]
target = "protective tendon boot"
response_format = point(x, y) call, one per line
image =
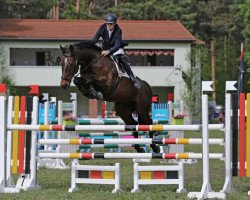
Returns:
point(79, 82)
point(94, 94)
point(127, 68)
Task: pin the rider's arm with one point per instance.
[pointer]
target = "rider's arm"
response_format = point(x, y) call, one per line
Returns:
point(97, 35)
point(118, 42)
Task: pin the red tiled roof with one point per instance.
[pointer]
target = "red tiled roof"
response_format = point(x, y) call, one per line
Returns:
point(44, 29)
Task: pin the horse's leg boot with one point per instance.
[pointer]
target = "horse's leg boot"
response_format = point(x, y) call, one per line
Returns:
point(94, 94)
point(155, 148)
point(79, 82)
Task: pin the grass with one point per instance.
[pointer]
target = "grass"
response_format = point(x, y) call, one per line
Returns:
point(55, 183)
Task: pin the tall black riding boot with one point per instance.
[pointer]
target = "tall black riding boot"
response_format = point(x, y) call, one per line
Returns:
point(125, 64)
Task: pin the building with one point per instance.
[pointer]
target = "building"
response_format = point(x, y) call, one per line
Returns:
point(158, 51)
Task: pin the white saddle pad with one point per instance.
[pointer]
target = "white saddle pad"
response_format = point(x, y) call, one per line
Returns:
point(120, 72)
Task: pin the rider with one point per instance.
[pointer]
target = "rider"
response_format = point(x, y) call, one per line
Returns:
point(112, 44)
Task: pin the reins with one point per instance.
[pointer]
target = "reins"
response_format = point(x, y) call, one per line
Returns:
point(91, 63)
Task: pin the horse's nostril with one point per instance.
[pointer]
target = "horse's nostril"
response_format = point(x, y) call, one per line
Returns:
point(65, 86)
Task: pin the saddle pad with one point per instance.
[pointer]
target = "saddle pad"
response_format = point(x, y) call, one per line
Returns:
point(120, 73)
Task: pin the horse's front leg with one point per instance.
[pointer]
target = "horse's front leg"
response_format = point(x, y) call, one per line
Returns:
point(155, 148)
point(137, 147)
point(83, 85)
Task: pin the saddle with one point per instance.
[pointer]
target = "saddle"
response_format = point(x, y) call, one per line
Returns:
point(119, 67)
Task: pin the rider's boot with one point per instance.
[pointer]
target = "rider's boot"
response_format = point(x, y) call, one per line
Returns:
point(136, 82)
point(94, 94)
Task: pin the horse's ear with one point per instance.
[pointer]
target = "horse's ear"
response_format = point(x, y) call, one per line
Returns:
point(62, 49)
point(71, 48)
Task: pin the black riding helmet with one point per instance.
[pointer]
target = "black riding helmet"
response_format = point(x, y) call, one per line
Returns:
point(110, 18)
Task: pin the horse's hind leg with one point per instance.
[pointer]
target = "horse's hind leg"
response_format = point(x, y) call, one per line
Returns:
point(125, 111)
point(155, 148)
point(144, 118)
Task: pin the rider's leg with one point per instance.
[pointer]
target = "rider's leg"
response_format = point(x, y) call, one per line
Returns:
point(124, 62)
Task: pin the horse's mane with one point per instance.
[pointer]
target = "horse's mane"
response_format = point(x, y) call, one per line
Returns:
point(87, 44)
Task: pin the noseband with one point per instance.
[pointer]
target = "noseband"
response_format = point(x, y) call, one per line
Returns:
point(75, 67)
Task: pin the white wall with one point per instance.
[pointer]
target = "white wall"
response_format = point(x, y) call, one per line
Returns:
point(43, 76)
point(155, 76)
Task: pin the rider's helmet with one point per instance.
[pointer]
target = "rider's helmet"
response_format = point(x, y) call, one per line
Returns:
point(110, 18)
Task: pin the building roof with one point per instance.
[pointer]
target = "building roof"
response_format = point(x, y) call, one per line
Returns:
point(44, 29)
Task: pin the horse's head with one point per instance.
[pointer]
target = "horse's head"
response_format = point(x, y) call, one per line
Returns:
point(69, 65)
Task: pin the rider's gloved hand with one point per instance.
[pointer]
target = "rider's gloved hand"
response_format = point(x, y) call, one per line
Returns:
point(105, 52)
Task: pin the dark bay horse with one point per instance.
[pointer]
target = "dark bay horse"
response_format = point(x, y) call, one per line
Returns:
point(105, 78)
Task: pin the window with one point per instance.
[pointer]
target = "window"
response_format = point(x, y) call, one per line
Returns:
point(151, 57)
point(34, 56)
point(42, 57)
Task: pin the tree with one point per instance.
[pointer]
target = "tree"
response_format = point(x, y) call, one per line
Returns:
point(199, 67)
point(4, 73)
point(26, 8)
point(245, 10)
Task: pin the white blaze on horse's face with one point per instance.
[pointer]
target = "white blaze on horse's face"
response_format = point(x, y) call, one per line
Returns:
point(68, 70)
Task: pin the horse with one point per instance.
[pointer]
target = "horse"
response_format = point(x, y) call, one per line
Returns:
point(105, 78)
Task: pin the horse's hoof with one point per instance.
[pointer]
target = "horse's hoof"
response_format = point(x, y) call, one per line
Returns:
point(156, 133)
point(139, 149)
point(156, 149)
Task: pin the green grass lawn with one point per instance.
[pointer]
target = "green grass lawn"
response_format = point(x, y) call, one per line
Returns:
point(55, 183)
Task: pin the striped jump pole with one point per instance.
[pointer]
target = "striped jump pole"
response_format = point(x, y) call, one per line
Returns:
point(106, 146)
point(100, 128)
point(111, 121)
point(140, 133)
point(106, 121)
point(88, 156)
point(129, 141)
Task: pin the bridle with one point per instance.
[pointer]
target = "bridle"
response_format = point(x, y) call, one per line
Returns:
point(75, 65)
